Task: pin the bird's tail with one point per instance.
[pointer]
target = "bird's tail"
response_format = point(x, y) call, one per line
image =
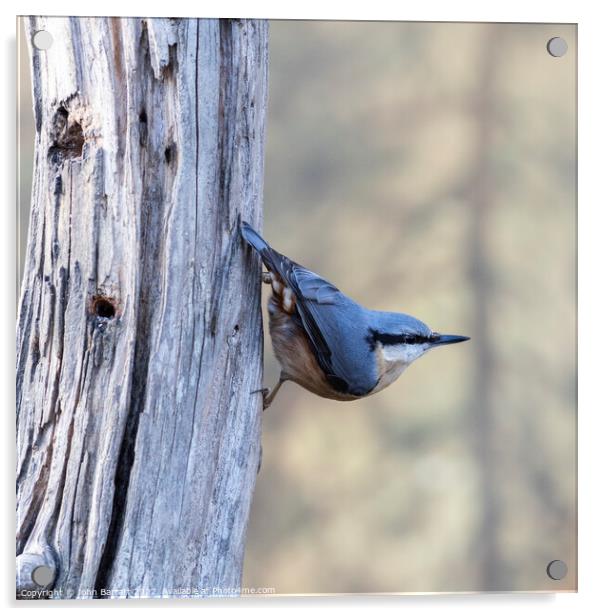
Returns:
point(274, 261)
point(253, 238)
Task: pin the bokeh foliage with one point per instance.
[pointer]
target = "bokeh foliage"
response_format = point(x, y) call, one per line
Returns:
point(431, 169)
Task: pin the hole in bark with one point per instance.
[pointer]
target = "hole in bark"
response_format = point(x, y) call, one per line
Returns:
point(170, 153)
point(103, 307)
point(67, 137)
point(143, 130)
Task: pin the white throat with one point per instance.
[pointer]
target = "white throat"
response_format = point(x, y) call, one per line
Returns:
point(403, 353)
point(393, 359)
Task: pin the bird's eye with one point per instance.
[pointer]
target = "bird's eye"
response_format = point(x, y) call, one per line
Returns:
point(411, 340)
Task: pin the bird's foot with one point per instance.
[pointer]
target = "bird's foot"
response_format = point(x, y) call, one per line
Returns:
point(267, 396)
point(266, 277)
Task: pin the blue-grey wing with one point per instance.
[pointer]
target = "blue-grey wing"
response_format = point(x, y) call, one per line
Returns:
point(336, 327)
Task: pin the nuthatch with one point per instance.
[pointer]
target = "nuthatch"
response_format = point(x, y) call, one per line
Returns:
point(329, 344)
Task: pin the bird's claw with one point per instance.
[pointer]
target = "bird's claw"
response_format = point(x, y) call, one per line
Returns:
point(270, 394)
point(265, 392)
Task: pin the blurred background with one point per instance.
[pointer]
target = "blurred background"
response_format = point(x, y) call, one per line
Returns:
point(425, 168)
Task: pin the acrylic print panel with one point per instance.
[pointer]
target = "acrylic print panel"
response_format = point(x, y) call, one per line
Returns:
point(422, 168)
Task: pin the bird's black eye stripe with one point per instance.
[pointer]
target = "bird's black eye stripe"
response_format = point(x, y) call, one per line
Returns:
point(385, 339)
point(414, 338)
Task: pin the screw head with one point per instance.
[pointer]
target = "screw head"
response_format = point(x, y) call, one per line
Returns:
point(557, 47)
point(557, 569)
point(42, 40)
point(43, 575)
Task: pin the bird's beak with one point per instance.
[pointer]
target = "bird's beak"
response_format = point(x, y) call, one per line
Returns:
point(440, 339)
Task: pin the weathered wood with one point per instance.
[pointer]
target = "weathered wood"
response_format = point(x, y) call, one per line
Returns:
point(139, 332)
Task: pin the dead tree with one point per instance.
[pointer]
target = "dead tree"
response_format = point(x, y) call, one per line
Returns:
point(139, 331)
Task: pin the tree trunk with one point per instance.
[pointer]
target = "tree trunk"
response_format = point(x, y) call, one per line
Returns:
point(139, 333)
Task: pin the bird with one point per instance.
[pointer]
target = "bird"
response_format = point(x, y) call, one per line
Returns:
point(325, 341)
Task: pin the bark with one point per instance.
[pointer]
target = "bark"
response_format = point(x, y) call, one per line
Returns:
point(139, 331)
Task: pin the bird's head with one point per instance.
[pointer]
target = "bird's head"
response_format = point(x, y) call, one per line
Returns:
point(401, 339)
